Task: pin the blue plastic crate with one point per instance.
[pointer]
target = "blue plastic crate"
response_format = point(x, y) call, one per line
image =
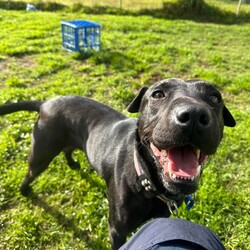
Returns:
point(81, 35)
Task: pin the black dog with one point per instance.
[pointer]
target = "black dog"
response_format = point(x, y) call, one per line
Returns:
point(149, 164)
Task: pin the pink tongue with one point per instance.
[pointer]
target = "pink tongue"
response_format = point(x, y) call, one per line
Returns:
point(182, 161)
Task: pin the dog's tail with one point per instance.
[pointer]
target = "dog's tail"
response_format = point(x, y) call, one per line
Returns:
point(19, 106)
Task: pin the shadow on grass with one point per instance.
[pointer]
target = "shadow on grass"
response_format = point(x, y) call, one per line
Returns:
point(65, 222)
point(180, 10)
point(198, 11)
point(112, 59)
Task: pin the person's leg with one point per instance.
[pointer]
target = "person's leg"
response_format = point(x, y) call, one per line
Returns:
point(168, 233)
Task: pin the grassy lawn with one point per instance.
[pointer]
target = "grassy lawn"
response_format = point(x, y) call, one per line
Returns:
point(69, 210)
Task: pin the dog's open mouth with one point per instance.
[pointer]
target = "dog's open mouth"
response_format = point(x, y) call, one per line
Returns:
point(180, 163)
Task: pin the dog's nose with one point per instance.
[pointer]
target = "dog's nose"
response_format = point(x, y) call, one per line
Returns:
point(192, 116)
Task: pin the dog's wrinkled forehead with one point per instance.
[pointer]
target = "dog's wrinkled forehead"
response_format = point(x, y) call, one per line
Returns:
point(178, 85)
point(172, 89)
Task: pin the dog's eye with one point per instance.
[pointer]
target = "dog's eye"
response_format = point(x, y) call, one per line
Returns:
point(158, 94)
point(215, 99)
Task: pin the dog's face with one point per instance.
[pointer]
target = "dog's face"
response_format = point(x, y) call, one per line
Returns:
point(181, 123)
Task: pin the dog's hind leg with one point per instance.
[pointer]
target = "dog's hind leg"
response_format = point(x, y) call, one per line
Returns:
point(45, 146)
point(37, 164)
point(33, 172)
point(68, 154)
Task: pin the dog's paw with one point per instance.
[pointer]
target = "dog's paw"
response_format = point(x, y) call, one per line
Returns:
point(25, 191)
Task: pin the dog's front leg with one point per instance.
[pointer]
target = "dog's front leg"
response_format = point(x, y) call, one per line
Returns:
point(117, 237)
point(117, 224)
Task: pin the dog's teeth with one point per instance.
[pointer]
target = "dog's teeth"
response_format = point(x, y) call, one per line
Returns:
point(174, 176)
point(198, 171)
point(198, 153)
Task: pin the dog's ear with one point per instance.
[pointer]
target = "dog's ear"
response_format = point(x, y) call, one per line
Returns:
point(228, 118)
point(134, 106)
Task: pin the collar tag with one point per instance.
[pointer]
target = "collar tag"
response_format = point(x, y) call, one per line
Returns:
point(189, 200)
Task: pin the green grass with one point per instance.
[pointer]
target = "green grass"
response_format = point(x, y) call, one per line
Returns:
point(69, 210)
